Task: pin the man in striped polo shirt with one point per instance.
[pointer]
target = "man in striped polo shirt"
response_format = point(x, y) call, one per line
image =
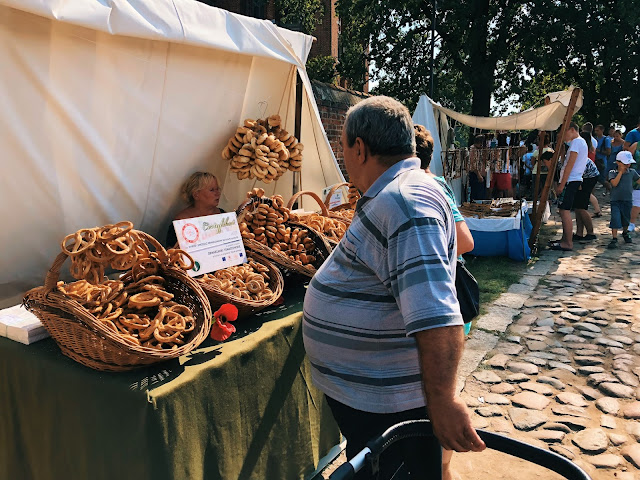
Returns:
point(382, 325)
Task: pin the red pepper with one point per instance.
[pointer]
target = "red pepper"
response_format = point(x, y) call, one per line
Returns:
point(221, 329)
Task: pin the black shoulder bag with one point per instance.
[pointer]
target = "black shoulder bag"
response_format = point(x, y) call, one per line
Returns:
point(468, 293)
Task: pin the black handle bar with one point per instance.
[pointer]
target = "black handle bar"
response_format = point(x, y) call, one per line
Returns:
point(494, 441)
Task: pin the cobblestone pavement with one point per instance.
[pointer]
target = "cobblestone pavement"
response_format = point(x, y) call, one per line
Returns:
point(556, 360)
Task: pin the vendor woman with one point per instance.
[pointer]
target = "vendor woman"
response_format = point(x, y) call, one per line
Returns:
point(202, 193)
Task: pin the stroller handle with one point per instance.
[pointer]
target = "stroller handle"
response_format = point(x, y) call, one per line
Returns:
point(494, 441)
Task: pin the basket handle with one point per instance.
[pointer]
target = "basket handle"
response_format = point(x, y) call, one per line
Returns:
point(327, 201)
point(323, 207)
point(53, 274)
point(51, 280)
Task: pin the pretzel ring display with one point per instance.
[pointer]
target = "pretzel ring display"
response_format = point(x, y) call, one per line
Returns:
point(138, 309)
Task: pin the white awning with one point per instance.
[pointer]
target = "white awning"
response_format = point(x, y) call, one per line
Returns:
point(546, 117)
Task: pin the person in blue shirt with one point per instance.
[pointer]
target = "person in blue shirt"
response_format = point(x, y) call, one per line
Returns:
point(603, 150)
point(631, 142)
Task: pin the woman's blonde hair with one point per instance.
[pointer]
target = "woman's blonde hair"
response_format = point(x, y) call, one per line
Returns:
point(197, 181)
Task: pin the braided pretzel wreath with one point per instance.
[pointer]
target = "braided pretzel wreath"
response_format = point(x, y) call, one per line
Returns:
point(141, 311)
point(264, 150)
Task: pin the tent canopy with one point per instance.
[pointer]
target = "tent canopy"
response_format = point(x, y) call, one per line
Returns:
point(545, 117)
point(107, 107)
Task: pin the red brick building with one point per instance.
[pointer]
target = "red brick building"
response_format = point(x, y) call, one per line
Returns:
point(333, 103)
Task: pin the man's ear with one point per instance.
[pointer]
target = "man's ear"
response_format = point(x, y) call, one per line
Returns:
point(362, 151)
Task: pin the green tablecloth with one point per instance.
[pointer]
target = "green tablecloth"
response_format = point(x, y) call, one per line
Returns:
point(238, 410)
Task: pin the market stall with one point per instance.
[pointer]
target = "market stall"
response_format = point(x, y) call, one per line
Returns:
point(500, 236)
point(108, 108)
point(243, 409)
point(454, 164)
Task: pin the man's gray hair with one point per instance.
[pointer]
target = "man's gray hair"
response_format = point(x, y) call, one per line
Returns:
point(383, 124)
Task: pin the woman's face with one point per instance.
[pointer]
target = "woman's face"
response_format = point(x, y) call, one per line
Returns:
point(208, 196)
point(617, 136)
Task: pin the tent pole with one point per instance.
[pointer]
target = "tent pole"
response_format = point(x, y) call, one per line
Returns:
point(544, 196)
point(297, 127)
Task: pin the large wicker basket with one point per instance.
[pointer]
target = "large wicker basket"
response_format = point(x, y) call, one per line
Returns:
point(82, 337)
point(246, 308)
point(323, 212)
point(321, 250)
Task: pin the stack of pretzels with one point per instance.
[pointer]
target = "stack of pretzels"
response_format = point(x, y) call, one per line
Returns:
point(139, 309)
point(141, 312)
point(93, 249)
point(330, 227)
point(263, 150)
point(266, 223)
point(249, 281)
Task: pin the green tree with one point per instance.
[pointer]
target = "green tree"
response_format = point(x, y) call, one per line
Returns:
point(301, 15)
point(322, 68)
point(591, 44)
point(472, 36)
point(512, 51)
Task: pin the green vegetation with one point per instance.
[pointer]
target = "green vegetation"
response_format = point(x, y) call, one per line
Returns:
point(494, 276)
point(322, 68)
point(512, 51)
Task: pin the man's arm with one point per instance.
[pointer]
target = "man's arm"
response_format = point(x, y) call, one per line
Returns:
point(606, 146)
point(440, 350)
point(567, 171)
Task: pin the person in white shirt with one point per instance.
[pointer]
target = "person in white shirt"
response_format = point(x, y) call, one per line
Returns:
point(570, 181)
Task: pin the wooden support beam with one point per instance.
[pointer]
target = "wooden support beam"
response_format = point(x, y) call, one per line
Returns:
point(297, 176)
point(544, 196)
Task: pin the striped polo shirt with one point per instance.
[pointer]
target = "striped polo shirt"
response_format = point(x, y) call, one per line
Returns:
point(392, 275)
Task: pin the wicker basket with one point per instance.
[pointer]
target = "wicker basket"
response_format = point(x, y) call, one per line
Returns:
point(342, 206)
point(321, 250)
point(82, 337)
point(323, 212)
point(246, 308)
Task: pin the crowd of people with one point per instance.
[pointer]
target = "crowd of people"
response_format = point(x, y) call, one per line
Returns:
point(592, 157)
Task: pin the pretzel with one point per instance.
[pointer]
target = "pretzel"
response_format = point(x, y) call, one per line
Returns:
point(144, 299)
point(78, 242)
point(177, 257)
point(110, 232)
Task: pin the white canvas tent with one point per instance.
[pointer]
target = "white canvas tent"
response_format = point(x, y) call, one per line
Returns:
point(107, 107)
point(435, 118)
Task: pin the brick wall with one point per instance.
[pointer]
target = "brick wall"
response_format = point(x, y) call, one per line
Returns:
point(333, 103)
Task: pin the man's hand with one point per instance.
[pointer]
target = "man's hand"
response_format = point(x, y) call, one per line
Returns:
point(452, 425)
point(559, 189)
point(622, 168)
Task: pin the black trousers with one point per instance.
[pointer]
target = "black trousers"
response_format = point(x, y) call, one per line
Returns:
point(413, 456)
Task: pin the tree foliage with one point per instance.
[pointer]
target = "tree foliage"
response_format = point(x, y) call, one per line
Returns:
point(302, 15)
point(322, 68)
point(511, 51)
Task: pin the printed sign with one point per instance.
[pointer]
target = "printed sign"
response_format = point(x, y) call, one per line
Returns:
point(213, 241)
point(336, 199)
